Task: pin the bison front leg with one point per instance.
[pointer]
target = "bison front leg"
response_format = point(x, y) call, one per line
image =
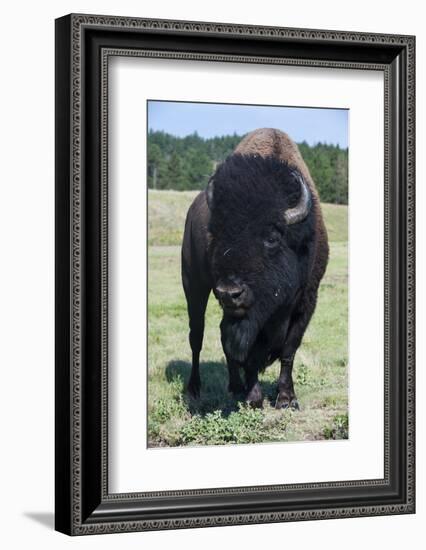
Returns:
point(196, 331)
point(286, 396)
point(197, 297)
point(236, 386)
point(254, 396)
point(299, 321)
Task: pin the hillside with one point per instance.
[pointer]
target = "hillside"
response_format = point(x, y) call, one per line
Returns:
point(167, 212)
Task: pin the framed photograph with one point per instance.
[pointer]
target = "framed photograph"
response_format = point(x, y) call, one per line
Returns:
point(234, 274)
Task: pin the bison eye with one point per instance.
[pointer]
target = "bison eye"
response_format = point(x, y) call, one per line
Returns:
point(272, 240)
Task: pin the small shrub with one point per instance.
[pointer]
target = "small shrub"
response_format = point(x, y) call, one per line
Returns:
point(339, 429)
point(242, 426)
point(302, 375)
point(166, 409)
point(246, 425)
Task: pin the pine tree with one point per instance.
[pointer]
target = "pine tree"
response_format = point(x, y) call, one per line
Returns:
point(155, 158)
point(175, 174)
point(186, 163)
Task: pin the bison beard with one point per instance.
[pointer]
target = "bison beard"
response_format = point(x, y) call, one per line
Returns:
point(255, 237)
point(239, 335)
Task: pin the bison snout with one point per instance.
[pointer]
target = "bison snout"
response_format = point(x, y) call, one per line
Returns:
point(234, 298)
point(229, 295)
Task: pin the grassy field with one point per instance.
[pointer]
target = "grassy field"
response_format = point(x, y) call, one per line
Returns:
point(320, 372)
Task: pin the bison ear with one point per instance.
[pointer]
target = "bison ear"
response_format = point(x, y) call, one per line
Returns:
point(209, 193)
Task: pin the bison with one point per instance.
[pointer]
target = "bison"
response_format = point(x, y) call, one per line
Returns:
point(256, 237)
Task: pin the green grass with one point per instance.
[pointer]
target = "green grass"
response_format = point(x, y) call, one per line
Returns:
point(320, 372)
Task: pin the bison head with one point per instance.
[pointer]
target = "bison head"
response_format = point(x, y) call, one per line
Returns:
point(261, 230)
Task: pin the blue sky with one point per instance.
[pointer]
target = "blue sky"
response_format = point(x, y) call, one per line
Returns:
point(312, 125)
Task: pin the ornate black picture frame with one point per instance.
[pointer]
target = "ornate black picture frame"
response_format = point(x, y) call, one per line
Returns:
point(83, 45)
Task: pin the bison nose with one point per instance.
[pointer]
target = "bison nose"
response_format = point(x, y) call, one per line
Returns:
point(229, 295)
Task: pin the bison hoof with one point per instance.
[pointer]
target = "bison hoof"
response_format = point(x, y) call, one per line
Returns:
point(255, 398)
point(286, 402)
point(255, 404)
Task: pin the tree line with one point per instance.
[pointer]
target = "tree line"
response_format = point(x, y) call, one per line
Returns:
point(186, 163)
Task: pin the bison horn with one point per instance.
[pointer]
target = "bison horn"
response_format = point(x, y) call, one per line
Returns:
point(301, 210)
